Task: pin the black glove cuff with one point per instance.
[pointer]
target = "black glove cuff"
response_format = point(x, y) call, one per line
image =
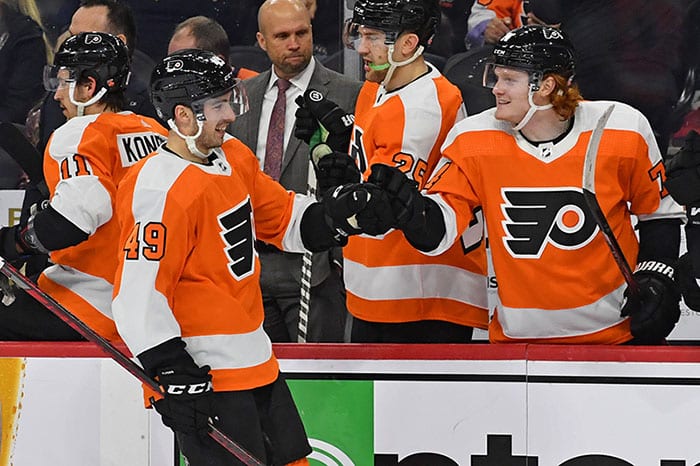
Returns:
point(170, 353)
point(658, 268)
point(315, 233)
point(8, 242)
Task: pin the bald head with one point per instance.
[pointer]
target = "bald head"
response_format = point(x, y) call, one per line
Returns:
point(272, 9)
point(284, 32)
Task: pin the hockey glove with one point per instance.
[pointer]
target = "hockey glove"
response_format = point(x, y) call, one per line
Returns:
point(306, 125)
point(187, 404)
point(687, 283)
point(346, 210)
point(334, 119)
point(407, 202)
point(333, 168)
point(654, 313)
point(683, 172)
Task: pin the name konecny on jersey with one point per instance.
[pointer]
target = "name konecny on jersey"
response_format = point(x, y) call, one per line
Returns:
point(135, 146)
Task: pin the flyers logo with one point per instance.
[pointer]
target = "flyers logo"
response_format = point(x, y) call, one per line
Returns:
point(92, 39)
point(537, 217)
point(237, 233)
point(174, 65)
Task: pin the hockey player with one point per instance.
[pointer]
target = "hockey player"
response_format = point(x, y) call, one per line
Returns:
point(522, 163)
point(188, 302)
point(403, 113)
point(84, 162)
point(683, 183)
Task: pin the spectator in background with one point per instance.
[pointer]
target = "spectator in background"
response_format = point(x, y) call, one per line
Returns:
point(285, 34)
point(109, 16)
point(156, 20)
point(200, 32)
point(23, 54)
point(489, 20)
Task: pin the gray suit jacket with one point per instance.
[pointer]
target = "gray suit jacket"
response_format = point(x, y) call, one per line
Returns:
point(295, 163)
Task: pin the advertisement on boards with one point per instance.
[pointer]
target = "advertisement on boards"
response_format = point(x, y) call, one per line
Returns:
point(556, 412)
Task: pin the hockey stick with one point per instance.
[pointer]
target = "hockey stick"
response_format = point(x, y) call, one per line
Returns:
point(22, 151)
point(120, 358)
point(306, 265)
point(589, 197)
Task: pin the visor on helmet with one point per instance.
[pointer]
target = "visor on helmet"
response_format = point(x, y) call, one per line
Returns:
point(57, 77)
point(217, 108)
point(352, 36)
point(490, 78)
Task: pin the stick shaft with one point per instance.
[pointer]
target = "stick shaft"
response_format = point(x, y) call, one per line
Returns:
point(589, 196)
point(120, 358)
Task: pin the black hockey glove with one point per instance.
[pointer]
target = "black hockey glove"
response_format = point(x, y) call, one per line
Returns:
point(187, 405)
point(346, 210)
point(687, 282)
point(654, 313)
point(683, 172)
point(333, 168)
point(306, 124)
point(334, 119)
point(407, 203)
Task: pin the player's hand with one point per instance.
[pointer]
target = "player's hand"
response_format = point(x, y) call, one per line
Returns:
point(333, 168)
point(306, 124)
point(495, 29)
point(406, 201)
point(654, 313)
point(683, 172)
point(334, 119)
point(187, 405)
point(688, 283)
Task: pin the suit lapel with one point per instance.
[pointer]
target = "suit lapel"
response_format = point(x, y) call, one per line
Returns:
point(255, 88)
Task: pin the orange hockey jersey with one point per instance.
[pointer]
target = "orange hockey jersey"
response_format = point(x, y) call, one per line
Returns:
point(487, 9)
point(557, 280)
point(387, 280)
point(189, 268)
point(85, 160)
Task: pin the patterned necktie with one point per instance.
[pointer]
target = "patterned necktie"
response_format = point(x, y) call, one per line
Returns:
point(274, 148)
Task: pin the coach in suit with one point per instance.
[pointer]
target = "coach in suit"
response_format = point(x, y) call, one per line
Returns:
point(268, 129)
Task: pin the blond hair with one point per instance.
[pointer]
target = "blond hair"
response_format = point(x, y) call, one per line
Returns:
point(30, 9)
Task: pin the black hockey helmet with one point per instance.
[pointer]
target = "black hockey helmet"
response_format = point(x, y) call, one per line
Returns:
point(98, 55)
point(394, 17)
point(536, 48)
point(190, 76)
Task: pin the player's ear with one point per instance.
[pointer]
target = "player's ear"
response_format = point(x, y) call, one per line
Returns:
point(548, 86)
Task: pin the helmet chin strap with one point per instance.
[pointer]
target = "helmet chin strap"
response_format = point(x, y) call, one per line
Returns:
point(531, 111)
point(81, 105)
point(392, 65)
point(190, 140)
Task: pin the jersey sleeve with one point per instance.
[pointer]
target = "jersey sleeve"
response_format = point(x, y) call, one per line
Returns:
point(83, 188)
point(156, 233)
point(451, 187)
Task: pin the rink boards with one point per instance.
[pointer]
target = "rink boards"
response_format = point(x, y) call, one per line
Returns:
point(66, 404)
